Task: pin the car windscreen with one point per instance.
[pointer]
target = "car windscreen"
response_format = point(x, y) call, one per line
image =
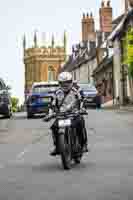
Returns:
point(44, 88)
point(87, 87)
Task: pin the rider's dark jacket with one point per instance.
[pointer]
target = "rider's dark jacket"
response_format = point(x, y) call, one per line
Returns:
point(65, 102)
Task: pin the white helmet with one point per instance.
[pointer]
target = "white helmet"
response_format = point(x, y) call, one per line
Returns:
point(64, 76)
point(75, 82)
point(65, 81)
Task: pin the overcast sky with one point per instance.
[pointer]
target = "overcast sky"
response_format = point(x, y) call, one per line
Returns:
point(52, 16)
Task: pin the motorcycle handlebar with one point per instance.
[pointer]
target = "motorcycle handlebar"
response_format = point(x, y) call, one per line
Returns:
point(63, 114)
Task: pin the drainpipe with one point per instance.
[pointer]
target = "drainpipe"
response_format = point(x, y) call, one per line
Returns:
point(112, 74)
point(113, 83)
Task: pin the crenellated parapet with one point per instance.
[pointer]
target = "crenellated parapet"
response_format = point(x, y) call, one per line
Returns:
point(45, 52)
point(53, 49)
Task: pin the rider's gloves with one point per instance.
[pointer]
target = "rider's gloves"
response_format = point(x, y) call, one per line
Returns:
point(50, 111)
point(46, 119)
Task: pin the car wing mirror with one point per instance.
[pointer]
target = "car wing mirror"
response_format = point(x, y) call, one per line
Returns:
point(8, 87)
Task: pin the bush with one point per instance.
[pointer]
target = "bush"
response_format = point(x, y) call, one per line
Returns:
point(130, 69)
point(15, 102)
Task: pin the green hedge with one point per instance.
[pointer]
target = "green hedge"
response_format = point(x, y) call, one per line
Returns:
point(130, 69)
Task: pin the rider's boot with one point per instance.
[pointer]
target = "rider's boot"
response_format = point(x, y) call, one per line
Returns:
point(85, 148)
point(55, 139)
point(54, 152)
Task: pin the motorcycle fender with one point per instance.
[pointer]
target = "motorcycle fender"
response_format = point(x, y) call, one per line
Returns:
point(61, 131)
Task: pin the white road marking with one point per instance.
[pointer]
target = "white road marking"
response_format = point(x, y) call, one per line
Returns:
point(20, 155)
point(26, 150)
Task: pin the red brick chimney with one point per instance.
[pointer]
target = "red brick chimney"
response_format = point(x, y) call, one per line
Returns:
point(105, 13)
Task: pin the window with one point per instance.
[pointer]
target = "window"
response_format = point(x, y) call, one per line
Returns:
point(45, 88)
point(74, 75)
point(51, 74)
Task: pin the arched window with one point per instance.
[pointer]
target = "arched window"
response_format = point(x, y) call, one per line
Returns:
point(51, 74)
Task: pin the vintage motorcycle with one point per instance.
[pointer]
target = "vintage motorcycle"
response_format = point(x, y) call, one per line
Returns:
point(68, 140)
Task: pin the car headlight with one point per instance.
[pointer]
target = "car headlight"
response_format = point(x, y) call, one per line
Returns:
point(4, 99)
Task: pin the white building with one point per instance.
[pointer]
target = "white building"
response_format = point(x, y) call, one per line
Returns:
point(123, 82)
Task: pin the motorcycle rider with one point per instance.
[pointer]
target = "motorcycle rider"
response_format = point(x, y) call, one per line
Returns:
point(67, 98)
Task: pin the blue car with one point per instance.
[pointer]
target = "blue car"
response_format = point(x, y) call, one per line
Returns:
point(89, 94)
point(40, 98)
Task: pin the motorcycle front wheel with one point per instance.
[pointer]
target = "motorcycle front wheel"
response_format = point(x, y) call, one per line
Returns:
point(65, 150)
point(77, 158)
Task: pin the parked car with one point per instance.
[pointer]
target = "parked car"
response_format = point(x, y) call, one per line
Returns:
point(90, 94)
point(40, 97)
point(5, 100)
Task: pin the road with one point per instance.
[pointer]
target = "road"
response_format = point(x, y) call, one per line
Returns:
point(27, 172)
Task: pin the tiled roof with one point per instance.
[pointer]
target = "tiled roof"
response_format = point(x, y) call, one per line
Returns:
point(117, 20)
point(82, 57)
point(73, 64)
point(120, 27)
point(103, 64)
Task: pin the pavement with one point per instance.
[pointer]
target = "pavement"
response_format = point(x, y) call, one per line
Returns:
point(127, 108)
point(120, 108)
point(110, 105)
point(27, 172)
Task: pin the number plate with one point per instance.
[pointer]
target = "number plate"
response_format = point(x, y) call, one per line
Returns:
point(89, 100)
point(64, 123)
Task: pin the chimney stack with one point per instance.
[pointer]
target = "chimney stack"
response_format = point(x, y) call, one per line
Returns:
point(105, 13)
point(88, 27)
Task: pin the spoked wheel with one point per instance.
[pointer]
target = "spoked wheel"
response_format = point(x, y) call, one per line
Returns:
point(65, 150)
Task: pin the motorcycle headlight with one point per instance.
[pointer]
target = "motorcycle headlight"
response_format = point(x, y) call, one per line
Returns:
point(64, 123)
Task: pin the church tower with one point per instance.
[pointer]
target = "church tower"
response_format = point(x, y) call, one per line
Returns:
point(42, 63)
